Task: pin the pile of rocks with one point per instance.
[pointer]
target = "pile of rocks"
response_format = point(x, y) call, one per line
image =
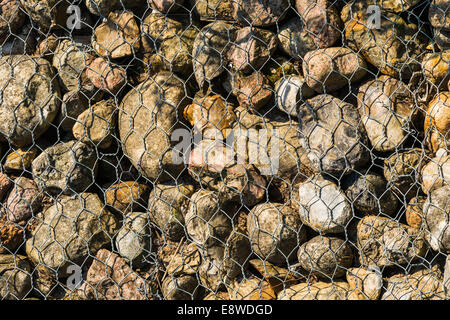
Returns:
point(224, 149)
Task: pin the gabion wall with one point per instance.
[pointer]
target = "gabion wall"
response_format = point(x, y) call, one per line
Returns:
point(224, 149)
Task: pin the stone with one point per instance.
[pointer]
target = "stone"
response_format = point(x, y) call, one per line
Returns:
point(414, 212)
point(210, 49)
point(437, 121)
point(165, 5)
point(212, 10)
point(67, 167)
point(436, 211)
point(394, 47)
point(388, 112)
point(20, 159)
point(184, 287)
point(69, 231)
point(31, 98)
point(436, 68)
point(369, 194)
point(251, 288)
point(384, 242)
point(47, 47)
point(447, 275)
point(172, 41)
point(47, 14)
point(253, 92)
point(208, 218)
point(97, 125)
point(333, 136)
point(134, 239)
point(442, 38)
point(104, 7)
point(336, 290)
point(290, 92)
point(11, 18)
point(365, 284)
point(324, 206)
point(15, 277)
point(280, 67)
point(186, 262)
point(436, 173)
point(325, 256)
point(402, 169)
point(5, 184)
point(21, 43)
point(321, 20)
point(12, 236)
point(278, 277)
point(295, 40)
point(220, 295)
point(145, 132)
point(439, 14)
point(111, 278)
point(275, 232)
point(424, 284)
point(71, 59)
point(167, 206)
point(211, 116)
point(251, 49)
point(118, 37)
point(127, 196)
point(24, 200)
point(106, 77)
point(259, 13)
point(73, 104)
point(330, 69)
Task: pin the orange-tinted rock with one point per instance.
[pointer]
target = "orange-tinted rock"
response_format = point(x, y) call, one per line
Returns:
point(414, 212)
point(437, 121)
point(12, 236)
point(105, 77)
point(127, 196)
point(253, 92)
point(5, 184)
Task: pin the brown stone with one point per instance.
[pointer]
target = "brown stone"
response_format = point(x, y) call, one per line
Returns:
point(253, 92)
point(259, 13)
point(127, 196)
point(436, 68)
point(11, 18)
point(365, 284)
point(12, 236)
point(5, 185)
point(436, 173)
point(24, 200)
point(106, 77)
point(20, 159)
point(437, 122)
point(414, 212)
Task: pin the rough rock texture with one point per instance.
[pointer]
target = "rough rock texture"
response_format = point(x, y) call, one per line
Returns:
point(148, 115)
point(46, 13)
point(180, 288)
point(436, 173)
point(387, 109)
point(104, 7)
point(290, 92)
point(70, 230)
point(436, 68)
point(326, 257)
point(436, 211)
point(5, 184)
point(11, 18)
point(336, 290)
point(365, 284)
point(15, 277)
point(212, 10)
point(20, 159)
point(295, 40)
point(23, 201)
point(67, 167)
point(251, 288)
point(275, 232)
point(127, 196)
point(259, 13)
point(97, 125)
point(414, 212)
point(73, 104)
point(31, 98)
point(437, 122)
point(253, 92)
point(12, 236)
point(385, 242)
point(106, 77)
point(167, 206)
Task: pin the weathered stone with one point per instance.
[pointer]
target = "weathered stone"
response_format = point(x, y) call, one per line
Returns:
point(69, 231)
point(251, 288)
point(336, 290)
point(20, 159)
point(12, 236)
point(73, 104)
point(447, 275)
point(385, 242)
point(47, 47)
point(331, 69)
point(31, 98)
point(148, 116)
point(24, 200)
point(439, 14)
point(253, 92)
point(186, 262)
point(15, 277)
point(167, 206)
point(278, 277)
point(127, 196)
point(402, 169)
point(436, 68)
point(259, 13)
point(184, 287)
point(118, 37)
point(11, 18)
point(106, 77)
point(104, 7)
point(133, 241)
point(295, 40)
point(291, 91)
point(211, 116)
point(165, 5)
point(436, 173)
point(332, 134)
point(280, 67)
point(369, 194)
point(275, 232)
point(97, 125)
point(5, 184)
point(442, 38)
point(414, 212)
point(388, 112)
point(110, 278)
point(21, 43)
point(437, 122)
point(210, 49)
point(365, 284)
point(321, 20)
point(324, 256)
point(251, 49)
point(47, 13)
point(436, 215)
point(425, 284)
point(67, 167)
point(212, 10)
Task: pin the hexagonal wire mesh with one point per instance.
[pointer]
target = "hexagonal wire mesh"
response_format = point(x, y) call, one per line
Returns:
point(224, 149)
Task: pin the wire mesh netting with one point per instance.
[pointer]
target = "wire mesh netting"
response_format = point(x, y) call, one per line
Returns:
point(224, 149)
